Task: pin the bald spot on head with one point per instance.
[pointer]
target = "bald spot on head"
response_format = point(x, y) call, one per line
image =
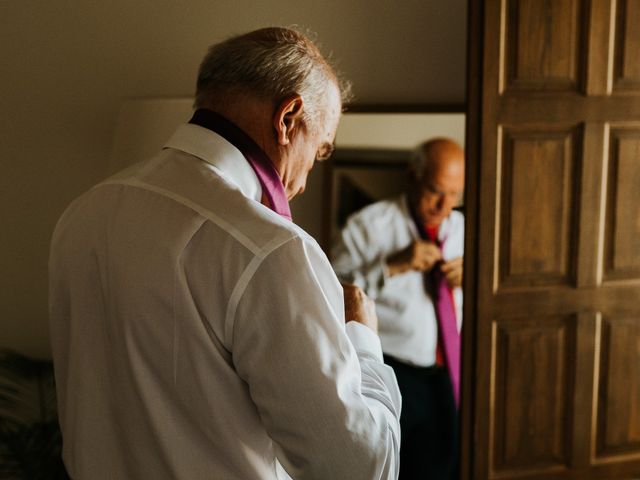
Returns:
point(440, 155)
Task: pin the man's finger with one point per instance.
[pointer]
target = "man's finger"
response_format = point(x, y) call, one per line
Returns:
point(451, 265)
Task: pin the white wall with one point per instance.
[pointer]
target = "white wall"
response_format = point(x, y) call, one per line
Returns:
point(67, 65)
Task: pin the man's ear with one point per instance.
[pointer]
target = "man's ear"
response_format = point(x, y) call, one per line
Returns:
point(287, 118)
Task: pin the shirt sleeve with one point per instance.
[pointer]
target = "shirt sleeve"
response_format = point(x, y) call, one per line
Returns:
point(353, 266)
point(328, 402)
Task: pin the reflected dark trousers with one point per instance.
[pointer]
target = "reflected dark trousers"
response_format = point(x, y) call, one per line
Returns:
point(429, 447)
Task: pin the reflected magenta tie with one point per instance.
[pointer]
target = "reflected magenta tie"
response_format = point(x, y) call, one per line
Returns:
point(450, 337)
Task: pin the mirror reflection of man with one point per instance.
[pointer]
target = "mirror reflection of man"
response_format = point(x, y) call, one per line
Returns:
point(406, 253)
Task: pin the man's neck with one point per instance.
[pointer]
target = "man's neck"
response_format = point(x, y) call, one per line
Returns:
point(249, 113)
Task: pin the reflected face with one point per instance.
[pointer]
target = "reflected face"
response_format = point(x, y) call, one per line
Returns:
point(311, 144)
point(442, 187)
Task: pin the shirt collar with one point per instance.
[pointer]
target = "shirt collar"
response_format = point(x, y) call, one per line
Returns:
point(270, 181)
point(226, 159)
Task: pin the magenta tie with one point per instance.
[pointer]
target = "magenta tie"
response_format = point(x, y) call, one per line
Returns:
point(271, 186)
point(446, 313)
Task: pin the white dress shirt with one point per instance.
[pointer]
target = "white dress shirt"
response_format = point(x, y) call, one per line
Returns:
point(408, 326)
point(198, 335)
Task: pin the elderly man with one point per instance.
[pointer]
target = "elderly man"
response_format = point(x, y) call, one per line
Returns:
point(406, 253)
point(197, 332)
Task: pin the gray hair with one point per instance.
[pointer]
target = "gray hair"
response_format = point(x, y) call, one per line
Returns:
point(272, 63)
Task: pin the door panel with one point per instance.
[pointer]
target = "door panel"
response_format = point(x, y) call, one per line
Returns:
point(552, 329)
point(627, 46)
point(623, 215)
point(533, 373)
point(543, 44)
point(536, 213)
point(619, 415)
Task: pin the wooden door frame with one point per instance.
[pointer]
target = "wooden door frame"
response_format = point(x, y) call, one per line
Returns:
point(473, 145)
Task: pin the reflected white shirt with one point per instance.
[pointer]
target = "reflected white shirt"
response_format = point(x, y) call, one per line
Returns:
point(408, 326)
point(197, 334)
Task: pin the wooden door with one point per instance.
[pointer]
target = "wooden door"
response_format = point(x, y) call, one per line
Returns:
point(551, 362)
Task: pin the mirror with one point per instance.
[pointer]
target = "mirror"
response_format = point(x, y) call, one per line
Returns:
point(409, 260)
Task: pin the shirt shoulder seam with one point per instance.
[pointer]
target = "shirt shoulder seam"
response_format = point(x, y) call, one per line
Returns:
point(233, 231)
point(243, 282)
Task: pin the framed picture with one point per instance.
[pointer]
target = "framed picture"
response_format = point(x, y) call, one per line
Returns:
point(358, 177)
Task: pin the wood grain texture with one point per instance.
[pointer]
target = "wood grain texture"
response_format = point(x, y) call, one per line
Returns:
point(555, 247)
point(627, 47)
point(622, 224)
point(543, 40)
point(618, 423)
point(540, 171)
point(533, 371)
point(599, 76)
point(590, 247)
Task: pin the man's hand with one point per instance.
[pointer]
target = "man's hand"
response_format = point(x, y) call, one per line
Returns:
point(358, 307)
point(421, 256)
point(452, 270)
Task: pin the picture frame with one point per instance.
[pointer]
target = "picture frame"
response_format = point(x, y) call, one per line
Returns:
point(357, 177)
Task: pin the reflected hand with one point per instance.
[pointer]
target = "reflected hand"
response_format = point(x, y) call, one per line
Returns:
point(421, 256)
point(452, 271)
point(358, 307)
